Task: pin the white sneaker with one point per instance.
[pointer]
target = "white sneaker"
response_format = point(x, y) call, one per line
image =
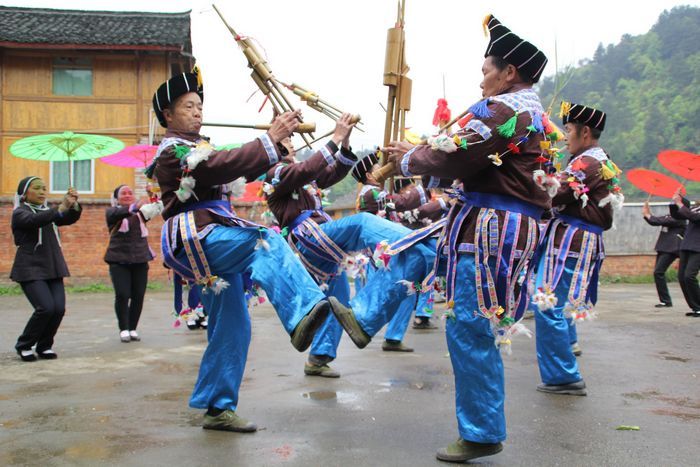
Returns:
point(125, 336)
point(134, 336)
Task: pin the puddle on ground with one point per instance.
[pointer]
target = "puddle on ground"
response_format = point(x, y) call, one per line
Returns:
point(320, 395)
point(340, 397)
point(405, 384)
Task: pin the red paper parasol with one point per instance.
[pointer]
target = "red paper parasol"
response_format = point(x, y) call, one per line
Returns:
point(685, 164)
point(138, 156)
point(654, 183)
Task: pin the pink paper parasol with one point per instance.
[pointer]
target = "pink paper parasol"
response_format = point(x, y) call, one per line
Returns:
point(138, 156)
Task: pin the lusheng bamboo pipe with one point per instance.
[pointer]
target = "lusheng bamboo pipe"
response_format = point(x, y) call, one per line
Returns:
point(262, 75)
point(318, 104)
point(306, 127)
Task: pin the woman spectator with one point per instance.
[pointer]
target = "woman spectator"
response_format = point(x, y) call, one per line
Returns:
point(39, 267)
point(128, 255)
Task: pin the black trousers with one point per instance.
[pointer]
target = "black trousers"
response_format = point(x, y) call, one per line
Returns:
point(688, 277)
point(49, 301)
point(129, 282)
point(663, 261)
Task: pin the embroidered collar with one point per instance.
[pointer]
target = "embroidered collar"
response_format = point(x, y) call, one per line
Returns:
point(521, 101)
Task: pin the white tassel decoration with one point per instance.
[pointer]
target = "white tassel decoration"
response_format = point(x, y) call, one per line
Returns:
point(200, 153)
point(151, 210)
point(186, 189)
point(219, 285)
point(442, 143)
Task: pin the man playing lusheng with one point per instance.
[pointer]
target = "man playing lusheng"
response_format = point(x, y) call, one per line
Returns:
point(204, 242)
point(491, 231)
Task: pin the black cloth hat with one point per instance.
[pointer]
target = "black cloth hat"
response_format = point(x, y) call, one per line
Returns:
point(400, 183)
point(577, 113)
point(175, 87)
point(364, 165)
point(520, 53)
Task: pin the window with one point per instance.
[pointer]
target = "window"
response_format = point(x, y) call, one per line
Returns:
point(72, 76)
point(83, 176)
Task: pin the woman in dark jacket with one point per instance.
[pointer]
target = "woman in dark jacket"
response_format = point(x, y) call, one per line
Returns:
point(128, 255)
point(39, 267)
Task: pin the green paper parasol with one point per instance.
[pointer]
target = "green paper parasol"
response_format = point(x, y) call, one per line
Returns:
point(66, 146)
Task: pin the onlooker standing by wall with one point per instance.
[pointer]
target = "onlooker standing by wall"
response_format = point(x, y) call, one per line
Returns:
point(128, 255)
point(667, 250)
point(39, 266)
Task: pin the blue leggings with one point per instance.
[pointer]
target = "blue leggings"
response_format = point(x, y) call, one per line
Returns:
point(231, 252)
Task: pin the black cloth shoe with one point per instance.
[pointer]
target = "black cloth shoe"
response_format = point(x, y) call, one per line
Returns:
point(694, 313)
point(304, 333)
point(663, 305)
point(574, 389)
point(48, 354)
point(27, 355)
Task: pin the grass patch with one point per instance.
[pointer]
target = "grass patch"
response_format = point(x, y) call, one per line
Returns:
point(13, 289)
point(671, 276)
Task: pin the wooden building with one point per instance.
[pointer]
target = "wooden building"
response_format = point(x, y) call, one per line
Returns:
point(87, 72)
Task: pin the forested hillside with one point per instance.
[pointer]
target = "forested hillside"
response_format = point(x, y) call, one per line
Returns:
point(649, 85)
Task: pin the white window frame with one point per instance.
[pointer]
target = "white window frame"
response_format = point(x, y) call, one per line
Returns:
point(70, 66)
point(92, 178)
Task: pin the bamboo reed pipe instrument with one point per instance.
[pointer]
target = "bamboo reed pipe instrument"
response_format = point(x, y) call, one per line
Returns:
point(318, 104)
point(273, 88)
point(262, 75)
point(399, 93)
point(306, 127)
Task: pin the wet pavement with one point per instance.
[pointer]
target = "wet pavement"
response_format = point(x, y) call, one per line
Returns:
point(108, 403)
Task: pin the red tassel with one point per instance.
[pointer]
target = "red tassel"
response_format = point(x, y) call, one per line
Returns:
point(513, 148)
point(462, 122)
point(578, 165)
point(541, 158)
point(442, 113)
point(545, 123)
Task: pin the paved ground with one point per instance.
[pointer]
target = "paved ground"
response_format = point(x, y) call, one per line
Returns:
point(107, 403)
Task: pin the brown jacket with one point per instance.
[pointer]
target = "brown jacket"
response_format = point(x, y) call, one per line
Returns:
point(250, 160)
point(566, 203)
point(126, 247)
point(375, 199)
point(296, 186)
point(473, 167)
